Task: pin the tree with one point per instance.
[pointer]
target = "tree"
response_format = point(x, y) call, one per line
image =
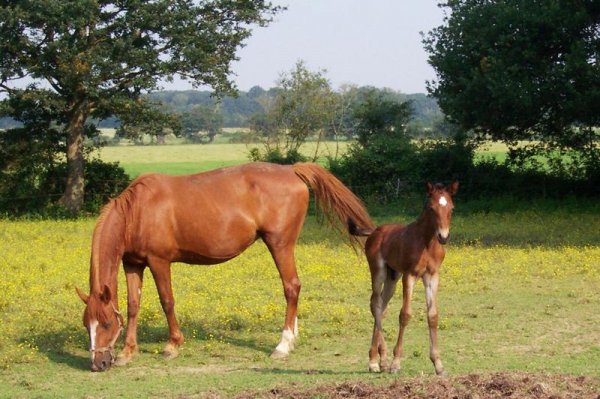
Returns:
point(377, 114)
point(202, 118)
point(96, 58)
point(302, 107)
point(522, 70)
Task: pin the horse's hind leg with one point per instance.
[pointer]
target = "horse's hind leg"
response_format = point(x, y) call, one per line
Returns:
point(134, 275)
point(408, 283)
point(283, 255)
point(431, 283)
point(378, 350)
point(161, 271)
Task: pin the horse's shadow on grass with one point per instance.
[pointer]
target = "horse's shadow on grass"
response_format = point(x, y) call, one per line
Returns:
point(60, 347)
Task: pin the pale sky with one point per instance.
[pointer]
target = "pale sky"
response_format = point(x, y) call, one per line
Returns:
point(364, 42)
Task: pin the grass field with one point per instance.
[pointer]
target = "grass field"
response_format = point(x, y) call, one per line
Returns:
point(190, 158)
point(520, 292)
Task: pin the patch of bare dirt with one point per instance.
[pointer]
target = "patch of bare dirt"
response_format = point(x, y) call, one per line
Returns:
point(471, 386)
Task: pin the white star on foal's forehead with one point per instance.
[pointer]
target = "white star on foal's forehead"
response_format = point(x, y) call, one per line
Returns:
point(443, 201)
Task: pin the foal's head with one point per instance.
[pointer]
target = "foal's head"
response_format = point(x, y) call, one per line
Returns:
point(104, 324)
point(439, 206)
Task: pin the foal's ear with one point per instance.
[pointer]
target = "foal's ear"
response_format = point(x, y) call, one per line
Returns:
point(453, 187)
point(82, 295)
point(430, 187)
point(106, 295)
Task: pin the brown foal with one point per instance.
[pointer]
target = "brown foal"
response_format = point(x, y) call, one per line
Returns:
point(414, 251)
point(205, 218)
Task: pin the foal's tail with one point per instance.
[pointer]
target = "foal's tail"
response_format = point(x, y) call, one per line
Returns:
point(334, 199)
point(354, 230)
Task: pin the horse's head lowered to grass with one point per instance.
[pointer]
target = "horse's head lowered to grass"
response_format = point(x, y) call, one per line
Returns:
point(104, 324)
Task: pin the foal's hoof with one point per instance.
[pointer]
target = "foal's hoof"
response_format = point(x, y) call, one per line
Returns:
point(441, 374)
point(278, 355)
point(374, 368)
point(170, 352)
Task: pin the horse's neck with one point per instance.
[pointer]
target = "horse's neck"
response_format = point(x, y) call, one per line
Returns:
point(107, 249)
point(425, 226)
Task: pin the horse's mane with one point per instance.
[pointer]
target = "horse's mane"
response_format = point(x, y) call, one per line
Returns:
point(125, 205)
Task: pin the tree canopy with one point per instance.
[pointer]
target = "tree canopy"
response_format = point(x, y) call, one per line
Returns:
point(522, 70)
point(95, 58)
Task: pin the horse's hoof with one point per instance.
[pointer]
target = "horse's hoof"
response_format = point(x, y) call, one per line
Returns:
point(441, 374)
point(121, 360)
point(374, 368)
point(170, 352)
point(395, 369)
point(278, 355)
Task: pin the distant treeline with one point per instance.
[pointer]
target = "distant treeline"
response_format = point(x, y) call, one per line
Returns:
point(236, 111)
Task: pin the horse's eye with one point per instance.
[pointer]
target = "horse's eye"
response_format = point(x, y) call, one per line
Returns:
point(107, 325)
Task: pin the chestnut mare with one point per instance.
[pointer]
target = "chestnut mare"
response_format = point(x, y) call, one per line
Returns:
point(415, 251)
point(205, 218)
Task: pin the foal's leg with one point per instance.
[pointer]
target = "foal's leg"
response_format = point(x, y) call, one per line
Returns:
point(134, 276)
point(389, 288)
point(408, 283)
point(161, 271)
point(378, 350)
point(431, 283)
point(283, 255)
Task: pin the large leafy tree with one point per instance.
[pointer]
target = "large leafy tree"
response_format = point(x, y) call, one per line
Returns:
point(302, 107)
point(92, 58)
point(522, 70)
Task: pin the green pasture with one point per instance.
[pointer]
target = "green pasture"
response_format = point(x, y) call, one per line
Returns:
point(520, 291)
point(190, 158)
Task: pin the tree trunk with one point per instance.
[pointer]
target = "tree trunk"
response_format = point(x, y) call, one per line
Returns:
point(73, 196)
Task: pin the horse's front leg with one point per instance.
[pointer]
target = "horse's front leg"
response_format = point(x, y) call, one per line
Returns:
point(408, 283)
point(134, 276)
point(431, 283)
point(161, 271)
point(286, 264)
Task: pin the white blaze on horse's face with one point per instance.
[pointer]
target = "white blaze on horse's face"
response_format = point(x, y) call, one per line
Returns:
point(93, 327)
point(442, 207)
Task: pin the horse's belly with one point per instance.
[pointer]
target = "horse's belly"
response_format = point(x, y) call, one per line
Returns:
point(198, 259)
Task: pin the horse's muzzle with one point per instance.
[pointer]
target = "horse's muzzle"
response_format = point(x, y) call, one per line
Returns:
point(443, 239)
point(103, 362)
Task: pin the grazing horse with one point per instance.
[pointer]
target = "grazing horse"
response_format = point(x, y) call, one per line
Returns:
point(205, 218)
point(414, 251)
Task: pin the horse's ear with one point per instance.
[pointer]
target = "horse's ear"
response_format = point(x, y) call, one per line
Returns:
point(82, 295)
point(430, 187)
point(453, 187)
point(106, 295)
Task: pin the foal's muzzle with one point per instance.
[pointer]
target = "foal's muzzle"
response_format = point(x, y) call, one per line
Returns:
point(443, 239)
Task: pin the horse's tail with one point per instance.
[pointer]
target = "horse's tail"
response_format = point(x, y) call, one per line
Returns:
point(334, 199)
point(354, 230)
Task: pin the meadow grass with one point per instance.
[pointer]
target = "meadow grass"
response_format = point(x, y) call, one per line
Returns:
point(519, 292)
point(189, 158)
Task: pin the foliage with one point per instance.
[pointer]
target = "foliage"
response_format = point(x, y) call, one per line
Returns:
point(98, 58)
point(302, 108)
point(32, 177)
point(530, 72)
point(147, 118)
point(202, 121)
point(376, 115)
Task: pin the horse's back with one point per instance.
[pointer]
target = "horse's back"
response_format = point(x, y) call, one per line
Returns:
point(213, 216)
